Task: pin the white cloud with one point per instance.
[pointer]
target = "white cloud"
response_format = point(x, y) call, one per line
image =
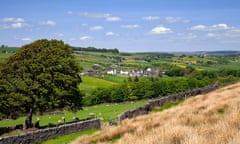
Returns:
point(9, 22)
point(186, 36)
point(95, 28)
point(215, 27)
point(4, 26)
point(211, 35)
point(172, 19)
point(60, 35)
point(84, 24)
point(106, 16)
point(151, 18)
point(199, 27)
point(161, 30)
point(233, 33)
point(14, 20)
point(8, 19)
point(19, 20)
point(94, 15)
point(186, 20)
point(220, 27)
point(49, 23)
point(83, 38)
point(70, 12)
point(176, 19)
point(111, 34)
point(112, 19)
point(130, 26)
point(26, 39)
point(17, 25)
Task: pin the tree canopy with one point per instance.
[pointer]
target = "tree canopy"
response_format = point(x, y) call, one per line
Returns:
point(41, 76)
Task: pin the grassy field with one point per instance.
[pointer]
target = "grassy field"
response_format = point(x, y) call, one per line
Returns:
point(105, 112)
point(212, 118)
point(90, 83)
point(115, 78)
point(4, 56)
point(68, 138)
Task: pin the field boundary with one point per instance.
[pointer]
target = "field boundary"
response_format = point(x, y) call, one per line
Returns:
point(48, 133)
point(165, 99)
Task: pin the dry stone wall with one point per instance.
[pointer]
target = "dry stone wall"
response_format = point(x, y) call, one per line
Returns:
point(161, 101)
point(45, 134)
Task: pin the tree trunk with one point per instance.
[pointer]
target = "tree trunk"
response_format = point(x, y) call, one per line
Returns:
point(28, 121)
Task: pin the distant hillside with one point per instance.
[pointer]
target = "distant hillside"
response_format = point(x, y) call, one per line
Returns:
point(212, 118)
point(224, 52)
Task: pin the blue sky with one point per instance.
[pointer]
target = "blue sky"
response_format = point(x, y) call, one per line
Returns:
point(129, 25)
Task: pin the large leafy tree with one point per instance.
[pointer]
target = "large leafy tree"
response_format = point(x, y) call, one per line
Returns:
point(41, 76)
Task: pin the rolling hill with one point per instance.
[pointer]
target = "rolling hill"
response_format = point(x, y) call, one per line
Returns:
point(212, 118)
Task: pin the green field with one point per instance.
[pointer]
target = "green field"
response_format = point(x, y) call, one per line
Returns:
point(4, 56)
point(68, 138)
point(105, 112)
point(115, 78)
point(90, 83)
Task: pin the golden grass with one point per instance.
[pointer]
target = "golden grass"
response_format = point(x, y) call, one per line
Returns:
point(213, 118)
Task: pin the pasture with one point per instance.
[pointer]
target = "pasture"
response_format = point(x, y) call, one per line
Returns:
point(105, 112)
point(90, 83)
point(4, 56)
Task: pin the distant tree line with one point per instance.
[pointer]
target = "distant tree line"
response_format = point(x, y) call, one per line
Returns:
point(4, 46)
point(147, 88)
point(93, 49)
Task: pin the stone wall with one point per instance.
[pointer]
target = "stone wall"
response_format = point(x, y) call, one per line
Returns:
point(45, 134)
point(161, 101)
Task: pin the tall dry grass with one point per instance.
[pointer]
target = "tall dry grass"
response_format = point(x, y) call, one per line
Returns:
point(213, 118)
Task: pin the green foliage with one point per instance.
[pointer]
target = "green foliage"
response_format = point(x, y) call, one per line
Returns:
point(41, 76)
point(144, 88)
point(93, 49)
point(177, 71)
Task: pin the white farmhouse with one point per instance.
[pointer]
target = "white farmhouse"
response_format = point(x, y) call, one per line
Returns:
point(112, 72)
point(123, 72)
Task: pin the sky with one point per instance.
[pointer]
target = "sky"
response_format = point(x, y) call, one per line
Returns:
point(129, 25)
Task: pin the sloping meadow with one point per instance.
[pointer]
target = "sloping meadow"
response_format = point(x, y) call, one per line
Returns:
point(211, 118)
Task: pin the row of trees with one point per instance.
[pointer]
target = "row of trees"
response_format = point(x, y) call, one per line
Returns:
point(93, 49)
point(147, 88)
